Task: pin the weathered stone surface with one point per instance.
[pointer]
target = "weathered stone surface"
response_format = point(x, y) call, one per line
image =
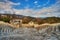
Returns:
point(49, 33)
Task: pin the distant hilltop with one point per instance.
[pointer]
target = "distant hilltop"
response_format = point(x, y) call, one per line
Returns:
point(11, 15)
point(18, 21)
point(27, 19)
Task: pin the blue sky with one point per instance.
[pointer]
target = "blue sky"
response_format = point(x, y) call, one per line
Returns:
point(34, 8)
point(33, 4)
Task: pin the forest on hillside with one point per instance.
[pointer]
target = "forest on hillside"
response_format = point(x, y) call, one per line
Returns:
point(27, 19)
point(41, 20)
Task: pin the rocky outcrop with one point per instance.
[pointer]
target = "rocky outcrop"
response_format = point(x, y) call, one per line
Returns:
point(47, 33)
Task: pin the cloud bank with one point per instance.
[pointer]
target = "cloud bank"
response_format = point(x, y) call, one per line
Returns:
point(53, 10)
point(6, 6)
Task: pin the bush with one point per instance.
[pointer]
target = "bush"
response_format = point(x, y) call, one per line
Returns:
point(5, 19)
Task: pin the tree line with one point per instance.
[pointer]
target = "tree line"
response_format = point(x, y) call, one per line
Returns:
point(41, 20)
point(27, 19)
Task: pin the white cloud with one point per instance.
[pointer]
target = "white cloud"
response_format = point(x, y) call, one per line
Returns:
point(35, 2)
point(46, 3)
point(53, 10)
point(7, 6)
point(14, 3)
point(50, 11)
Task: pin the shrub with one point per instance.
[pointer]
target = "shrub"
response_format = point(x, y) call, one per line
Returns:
point(5, 19)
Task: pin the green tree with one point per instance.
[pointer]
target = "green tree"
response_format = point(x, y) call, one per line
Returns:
point(5, 19)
